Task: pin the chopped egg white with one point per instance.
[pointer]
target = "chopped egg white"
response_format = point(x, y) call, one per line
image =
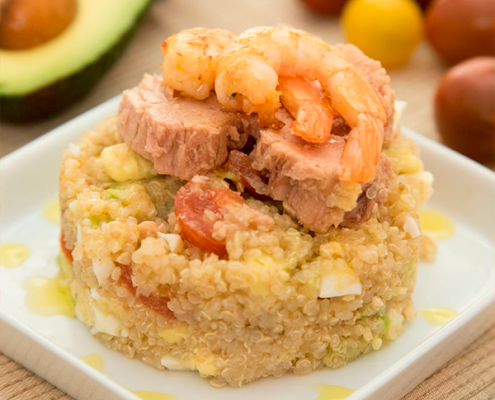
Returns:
point(74, 149)
point(174, 241)
point(105, 323)
point(102, 270)
point(78, 232)
point(411, 227)
point(332, 285)
point(73, 206)
point(175, 364)
point(94, 294)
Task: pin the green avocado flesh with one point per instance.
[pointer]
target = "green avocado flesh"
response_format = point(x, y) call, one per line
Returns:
point(37, 82)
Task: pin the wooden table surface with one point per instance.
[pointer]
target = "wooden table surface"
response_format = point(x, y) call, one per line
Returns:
point(471, 374)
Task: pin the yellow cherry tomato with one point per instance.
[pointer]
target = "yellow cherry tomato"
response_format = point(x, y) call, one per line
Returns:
point(386, 30)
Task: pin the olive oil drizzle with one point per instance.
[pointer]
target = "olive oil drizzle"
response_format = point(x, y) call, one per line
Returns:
point(333, 392)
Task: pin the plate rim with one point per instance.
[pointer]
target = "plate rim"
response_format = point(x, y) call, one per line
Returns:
point(64, 355)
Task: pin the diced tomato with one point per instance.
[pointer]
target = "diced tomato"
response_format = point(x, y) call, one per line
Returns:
point(197, 208)
point(67, 253)
point(157, 303)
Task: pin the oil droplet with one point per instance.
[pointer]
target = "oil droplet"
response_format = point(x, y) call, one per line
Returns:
point(333, 392)
point(65, 266)
point(436, 224)
point(51, 212)
point(438, 316)
point(95, 361)
point(13, 255)
point(49, 296)
point(153, 395)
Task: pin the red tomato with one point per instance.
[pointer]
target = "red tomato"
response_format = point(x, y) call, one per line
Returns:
point(154, 301)
point(423, 3)
point(461, 29)
point(328, 7)
point(67, 253)
point(465, 108)
point(191, 202)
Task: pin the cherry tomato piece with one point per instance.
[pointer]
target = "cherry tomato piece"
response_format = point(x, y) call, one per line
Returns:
point(66, 252)
point(461, 29)
point(465, 108)
point(154, 301)
point(327, 7)
point(197, 208)
point(423, 3)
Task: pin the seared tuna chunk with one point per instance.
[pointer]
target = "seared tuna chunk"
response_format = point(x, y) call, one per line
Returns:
point(183, 137)
point(305, 177)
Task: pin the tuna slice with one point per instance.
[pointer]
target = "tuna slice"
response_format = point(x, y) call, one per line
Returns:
point(304, 176)
point(182, 137)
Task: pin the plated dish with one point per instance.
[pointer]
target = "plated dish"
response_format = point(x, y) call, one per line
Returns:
point(251, 214)
point(57, 347)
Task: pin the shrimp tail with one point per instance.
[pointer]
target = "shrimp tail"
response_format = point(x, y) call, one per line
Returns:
point(312, 111)
point(308, 124)
point(362, 150)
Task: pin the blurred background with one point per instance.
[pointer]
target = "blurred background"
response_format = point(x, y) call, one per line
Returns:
point(417, 40)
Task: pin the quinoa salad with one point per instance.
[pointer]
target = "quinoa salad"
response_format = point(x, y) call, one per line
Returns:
point(251, 213)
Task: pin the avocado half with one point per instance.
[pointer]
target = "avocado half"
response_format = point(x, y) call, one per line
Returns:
point(38, 82)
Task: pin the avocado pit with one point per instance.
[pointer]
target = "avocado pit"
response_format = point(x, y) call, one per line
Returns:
point(25, 24)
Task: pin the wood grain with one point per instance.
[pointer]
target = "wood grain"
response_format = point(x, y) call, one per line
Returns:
point(471, 374)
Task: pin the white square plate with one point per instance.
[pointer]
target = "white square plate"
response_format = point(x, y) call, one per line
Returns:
point(461, 278)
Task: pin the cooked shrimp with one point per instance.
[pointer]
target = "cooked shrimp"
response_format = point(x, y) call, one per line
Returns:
point(305, 101)
point(248, 74)
point(190, 60)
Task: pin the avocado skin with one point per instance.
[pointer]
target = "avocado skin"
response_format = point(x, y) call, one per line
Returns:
point(58, 95)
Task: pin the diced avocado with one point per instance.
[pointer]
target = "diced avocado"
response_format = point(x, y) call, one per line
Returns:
point(95, 220)
point(115, 193)
point(120, 185)
point(411, 272)
point(353, 353)
point(119, 191)
point(42, 80)
point(386, 322)
point(162, 190)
